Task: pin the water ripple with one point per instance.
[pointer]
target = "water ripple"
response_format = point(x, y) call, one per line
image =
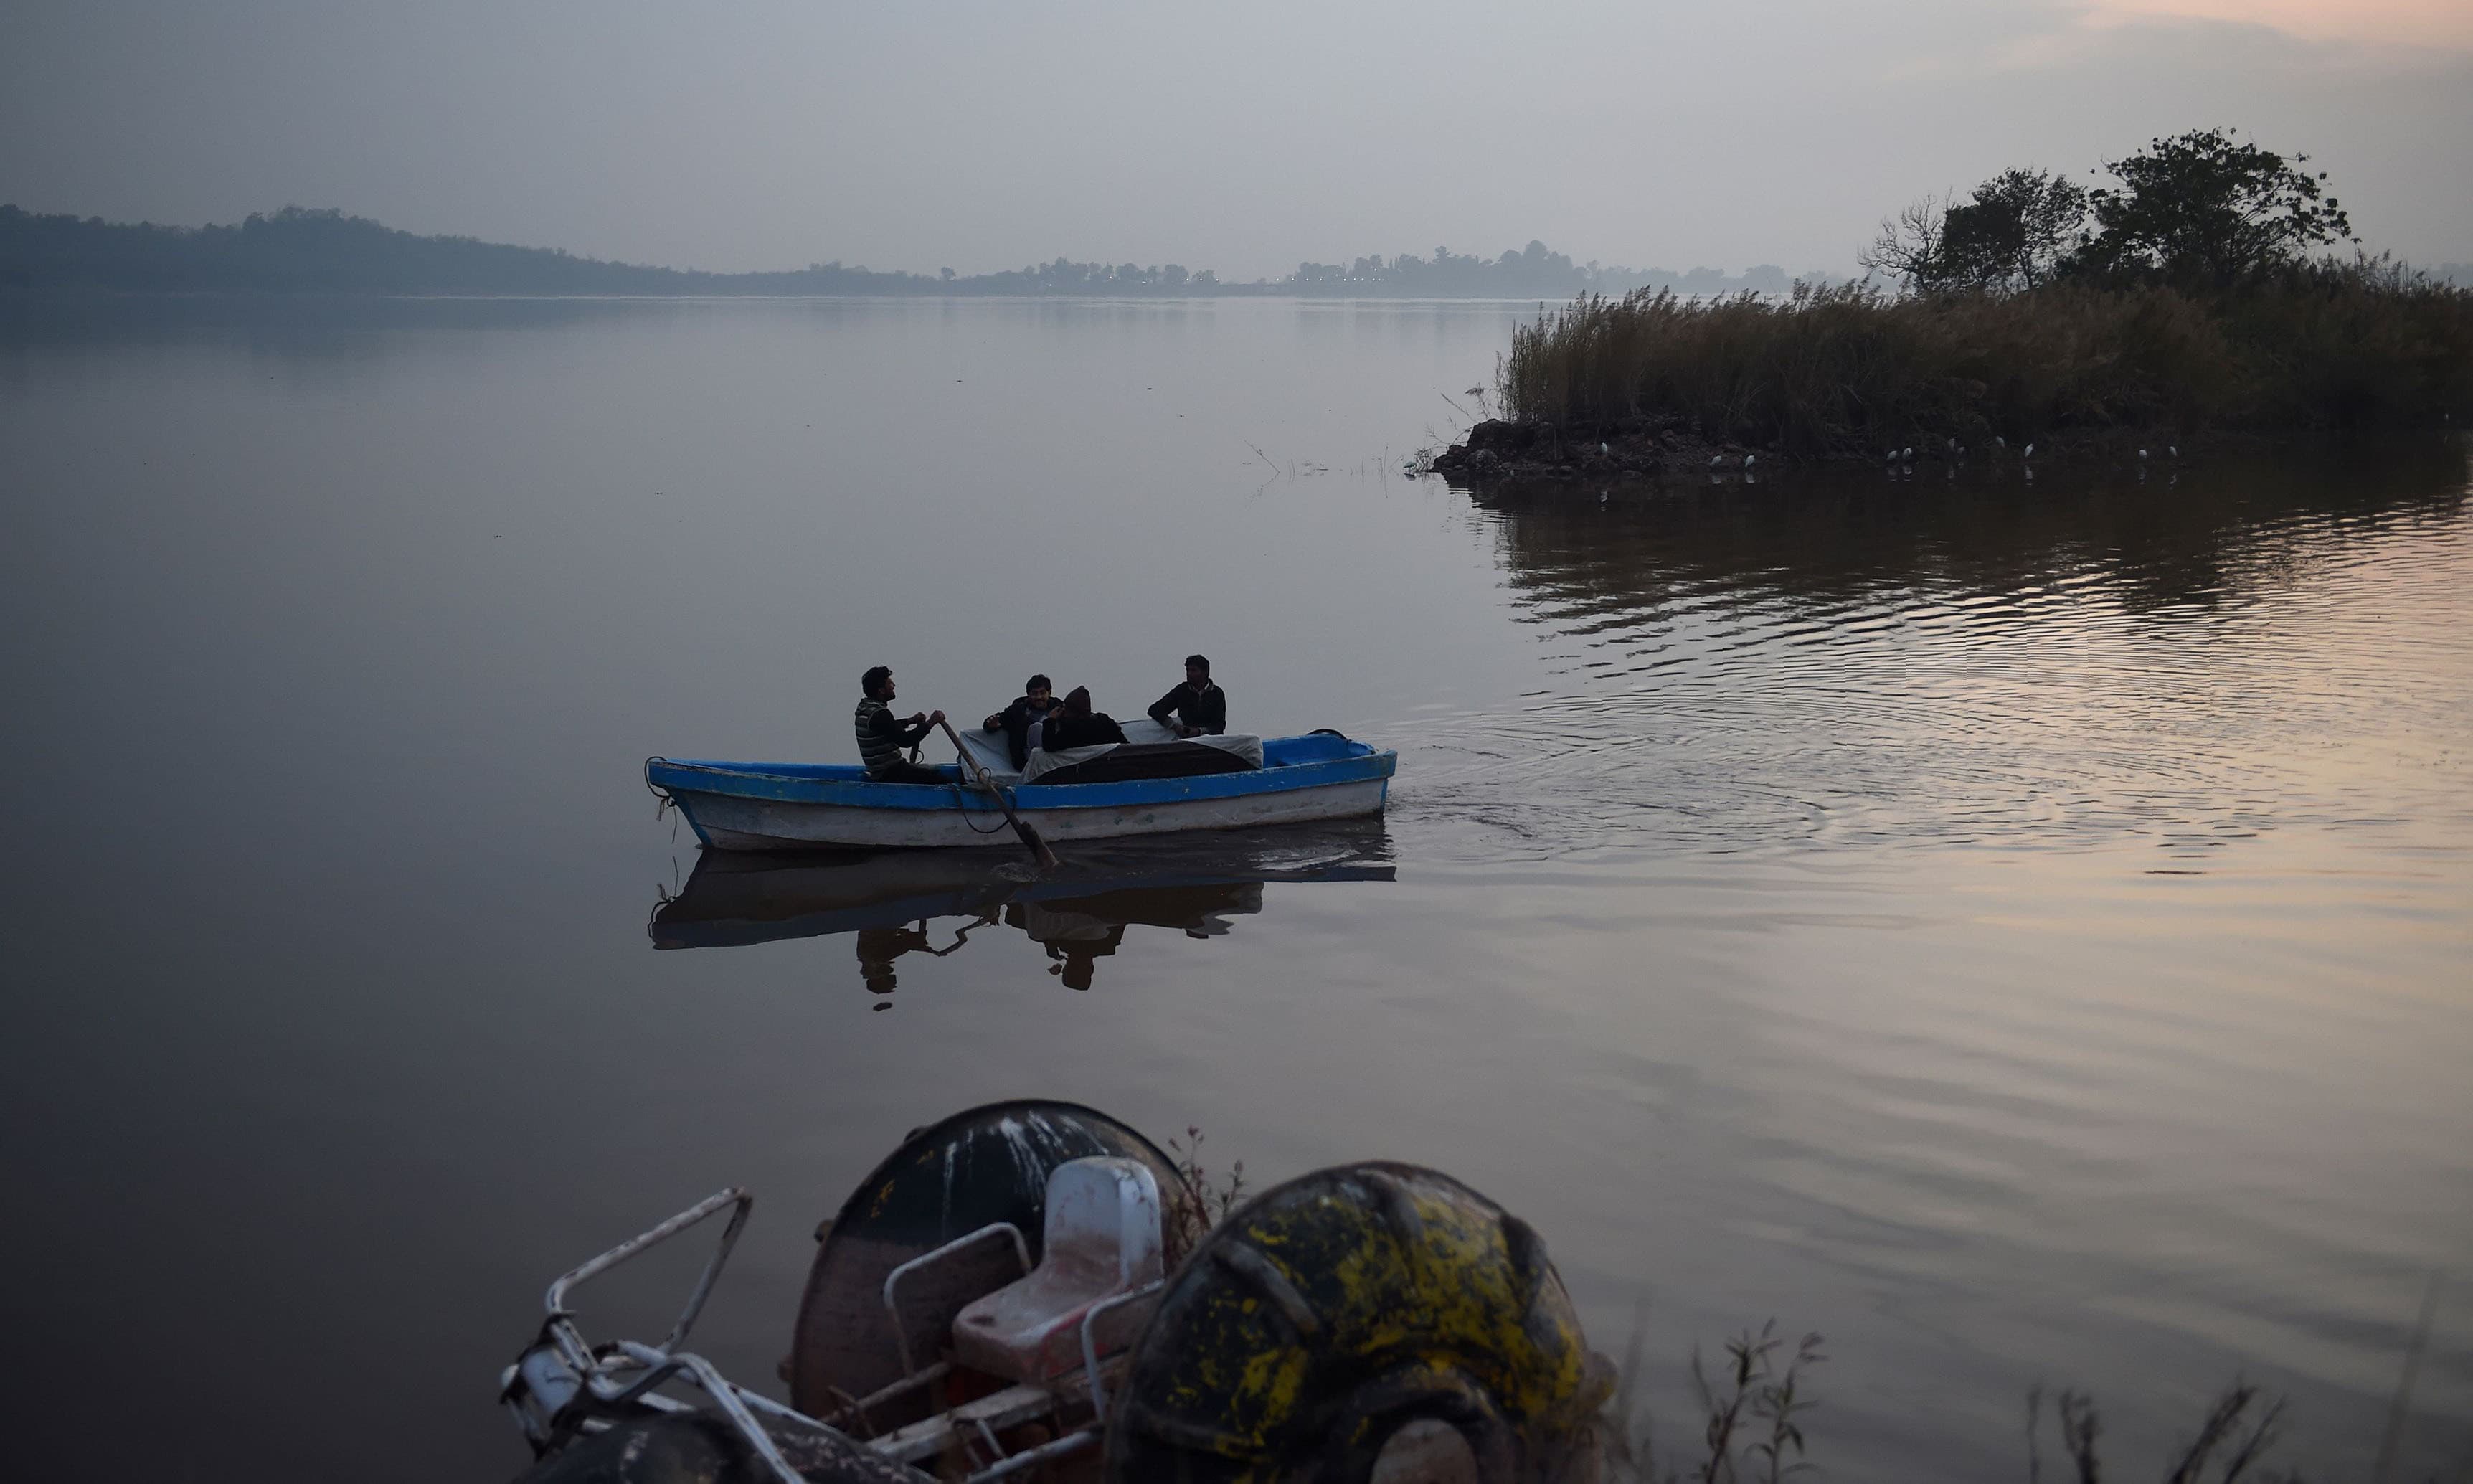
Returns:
point(2067, 674)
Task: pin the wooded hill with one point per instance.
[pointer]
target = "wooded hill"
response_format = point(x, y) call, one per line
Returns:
point(299, 249)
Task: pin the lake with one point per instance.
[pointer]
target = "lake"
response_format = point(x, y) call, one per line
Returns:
point(2017, 928)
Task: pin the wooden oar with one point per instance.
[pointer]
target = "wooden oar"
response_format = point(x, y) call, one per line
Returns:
point(1038, 851)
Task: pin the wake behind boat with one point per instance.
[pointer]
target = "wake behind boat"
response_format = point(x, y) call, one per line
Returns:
point(1147, 786)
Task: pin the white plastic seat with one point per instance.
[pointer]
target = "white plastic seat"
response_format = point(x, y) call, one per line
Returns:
point(1102, 1239)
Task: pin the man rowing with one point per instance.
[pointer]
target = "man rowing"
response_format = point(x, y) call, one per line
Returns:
point(882, 737)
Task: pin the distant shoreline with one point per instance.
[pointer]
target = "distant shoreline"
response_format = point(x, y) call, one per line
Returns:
point(299, 250)
point(76, 293)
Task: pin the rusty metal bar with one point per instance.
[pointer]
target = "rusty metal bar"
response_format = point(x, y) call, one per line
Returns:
point(1091, 1344)
point(725, 1396)
point(996, 1453)
point(1031, 1458)
point(911, 1382)
point(900, 1340)
point(1010, 1408)
point(562, 1324)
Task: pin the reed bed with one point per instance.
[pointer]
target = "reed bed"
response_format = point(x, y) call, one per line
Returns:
point(1849, 370)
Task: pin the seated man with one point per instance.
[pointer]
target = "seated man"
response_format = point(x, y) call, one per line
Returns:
point(1076, 724)
point(1198, 706)
point(882, 737)
point(1036, 699)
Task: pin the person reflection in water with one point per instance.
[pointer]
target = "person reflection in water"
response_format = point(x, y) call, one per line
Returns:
point(1077, 962)
point(879, 947)
point(1074, 942)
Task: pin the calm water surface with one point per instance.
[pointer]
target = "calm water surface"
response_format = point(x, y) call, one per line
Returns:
point(2020, 930)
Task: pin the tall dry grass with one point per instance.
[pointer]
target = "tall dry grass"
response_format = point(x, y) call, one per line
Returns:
point(1851, 369)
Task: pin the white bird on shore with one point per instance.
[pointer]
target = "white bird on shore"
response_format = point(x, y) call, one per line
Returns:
point(2030, 453)
point(1716, 459)
point(2173, 450)
point(1750, 459)
point(2141, 455)
point(1998, 442)
point(1603, 447)
point(1907, 456)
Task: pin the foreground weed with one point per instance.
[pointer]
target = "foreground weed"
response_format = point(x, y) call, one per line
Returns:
point(1188, 1222)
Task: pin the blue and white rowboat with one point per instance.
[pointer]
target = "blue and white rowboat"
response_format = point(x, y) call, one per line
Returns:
point(806, 806)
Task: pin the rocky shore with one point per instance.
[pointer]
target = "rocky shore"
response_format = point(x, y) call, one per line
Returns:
point(1641, 448)
point(1495, 450)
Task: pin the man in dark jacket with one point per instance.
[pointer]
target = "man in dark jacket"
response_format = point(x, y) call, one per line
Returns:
point(884, 737)
point(1076, 724)
point(1028, 709)
point(1198, 706)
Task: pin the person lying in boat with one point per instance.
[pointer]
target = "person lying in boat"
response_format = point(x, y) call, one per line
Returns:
point(1076, 724)
point(1198, 706)
point(882, 737)
point(1028, 709)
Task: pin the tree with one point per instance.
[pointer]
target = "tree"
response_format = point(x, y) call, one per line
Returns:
point(2204, 209)
point(2014, 232)
point(1909, 245)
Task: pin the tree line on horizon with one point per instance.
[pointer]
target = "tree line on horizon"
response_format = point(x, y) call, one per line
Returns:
point(309, 250)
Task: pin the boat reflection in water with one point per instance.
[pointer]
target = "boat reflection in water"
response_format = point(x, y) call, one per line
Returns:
point(899, 903)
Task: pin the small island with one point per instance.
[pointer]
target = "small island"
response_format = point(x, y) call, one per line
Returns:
point(2197, 297)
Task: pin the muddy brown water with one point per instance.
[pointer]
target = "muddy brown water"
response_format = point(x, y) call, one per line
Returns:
point(2018, 929)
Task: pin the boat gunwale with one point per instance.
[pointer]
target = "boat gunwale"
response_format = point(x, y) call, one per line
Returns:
point(759, 781)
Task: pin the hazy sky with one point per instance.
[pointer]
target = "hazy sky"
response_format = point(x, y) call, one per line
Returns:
point(766, 134)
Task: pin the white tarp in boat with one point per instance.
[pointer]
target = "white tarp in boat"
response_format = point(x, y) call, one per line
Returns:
point(995, 756)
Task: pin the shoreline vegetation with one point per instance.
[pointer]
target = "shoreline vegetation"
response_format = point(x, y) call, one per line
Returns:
point(1746, 1421)
point(2190, 304)
point(1751, 1403)
point(304, 251)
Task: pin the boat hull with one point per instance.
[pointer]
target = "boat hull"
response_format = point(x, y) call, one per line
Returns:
point(776, 806)
point(733, 824)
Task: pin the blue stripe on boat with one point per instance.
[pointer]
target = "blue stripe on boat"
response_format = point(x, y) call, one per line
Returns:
point(1311, 761)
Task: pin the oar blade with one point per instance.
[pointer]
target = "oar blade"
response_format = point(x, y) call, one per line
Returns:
point(1038, 851)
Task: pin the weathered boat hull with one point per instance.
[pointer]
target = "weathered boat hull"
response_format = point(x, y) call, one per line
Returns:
point(731, 824)
point(784, 807)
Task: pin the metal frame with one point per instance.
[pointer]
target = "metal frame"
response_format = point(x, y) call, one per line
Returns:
point(1091, 1342)
point(562, 1320)
point(893, 1311)
point(614, 1382)
point(630, 1374)
point(725, 1395)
